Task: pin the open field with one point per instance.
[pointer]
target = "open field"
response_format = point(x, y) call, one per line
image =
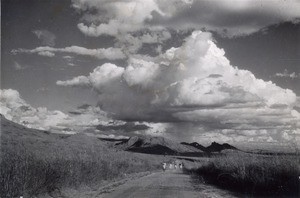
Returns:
point(35, 162)
point(251, 174)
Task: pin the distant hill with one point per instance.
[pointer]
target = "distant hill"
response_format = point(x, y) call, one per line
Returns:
point(164, 146)
point(214, 147)
point(156, 145)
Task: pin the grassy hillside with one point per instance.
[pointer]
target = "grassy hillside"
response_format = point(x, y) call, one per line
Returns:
point(35, 162)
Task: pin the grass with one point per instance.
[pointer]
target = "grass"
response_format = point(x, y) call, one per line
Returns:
point(254, 175)
point(35, 162)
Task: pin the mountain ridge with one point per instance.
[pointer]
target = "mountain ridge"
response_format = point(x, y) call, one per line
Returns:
point(152, 145)
point(164, 146)
point(214, 147)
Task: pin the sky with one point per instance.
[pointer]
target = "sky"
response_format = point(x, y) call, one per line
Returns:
point(191, 70)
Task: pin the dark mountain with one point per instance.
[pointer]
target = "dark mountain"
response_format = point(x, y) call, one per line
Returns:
point(216, 147)
point(163, 146)
point(156, 145)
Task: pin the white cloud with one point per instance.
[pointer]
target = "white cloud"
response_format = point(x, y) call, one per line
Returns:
point(100, 53)
point(140, 72)
point(199, 69)
point(71, 64)
point(46, 53)
point(286, 74)
point(131, 43)
point(101, 76)
point(105, 74)
point(77, 81)
point(203, 71)
point(122, 19)
point(228, 17)
point(156, 129)
point(68, 57)
point(194, 83)
point(14, 108)
point(115, 17)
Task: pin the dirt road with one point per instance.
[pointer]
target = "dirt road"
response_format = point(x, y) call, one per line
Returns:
point(166, 184)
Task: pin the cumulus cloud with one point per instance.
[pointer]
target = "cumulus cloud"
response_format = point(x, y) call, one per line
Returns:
point(140, 72)
point(14, 108)
point(86, 118)
point(125, 20)
point(228, 17)
point(100, 53)
point(77, 81)
point(286, 74)
point(46, 37)
point(194, 83)
point(101, 76)
point(156, 129)
point(132, 42)
point(115, 17)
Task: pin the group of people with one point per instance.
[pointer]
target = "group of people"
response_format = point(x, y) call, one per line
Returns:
point(172, 165)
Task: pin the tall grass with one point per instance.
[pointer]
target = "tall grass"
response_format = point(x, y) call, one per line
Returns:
point(253, 174)
point(30, 169)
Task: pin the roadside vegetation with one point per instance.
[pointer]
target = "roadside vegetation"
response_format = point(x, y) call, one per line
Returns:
point(35, 162)
point(252, 174)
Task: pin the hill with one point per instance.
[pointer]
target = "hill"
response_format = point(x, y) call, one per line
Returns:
point(214, 147)
point(156, 145)
point(35, 162)
point(164, 146)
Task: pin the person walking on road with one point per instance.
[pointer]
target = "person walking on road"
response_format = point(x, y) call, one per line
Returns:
point(164, 166)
